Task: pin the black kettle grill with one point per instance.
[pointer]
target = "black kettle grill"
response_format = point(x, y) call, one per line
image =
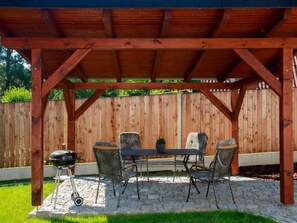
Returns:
point(64, 160)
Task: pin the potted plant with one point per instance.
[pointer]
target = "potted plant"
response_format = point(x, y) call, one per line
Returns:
point(160, 144)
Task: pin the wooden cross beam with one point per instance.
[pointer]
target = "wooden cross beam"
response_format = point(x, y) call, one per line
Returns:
point(108, 44)
point(152, 86)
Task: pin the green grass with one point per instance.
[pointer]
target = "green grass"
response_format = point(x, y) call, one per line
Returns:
point(16, 204)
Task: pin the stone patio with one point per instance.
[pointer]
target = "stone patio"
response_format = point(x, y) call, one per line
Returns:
point(161, 194)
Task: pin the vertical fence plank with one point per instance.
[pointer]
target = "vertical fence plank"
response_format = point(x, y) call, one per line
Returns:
point(151, 116)
point(2, 136)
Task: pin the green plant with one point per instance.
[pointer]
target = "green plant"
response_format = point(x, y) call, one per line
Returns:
point(15, 94)
point(160, 140)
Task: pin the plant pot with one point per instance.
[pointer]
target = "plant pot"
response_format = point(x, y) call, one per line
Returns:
point(160, 147)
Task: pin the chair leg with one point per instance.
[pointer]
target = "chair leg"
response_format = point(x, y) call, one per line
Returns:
point(114, 193)
point(207, 189)
point(215, 195)
point(231, 191)
point(125, 186)
point(137, 184)
point(174, 168)
point(97, 190)
point(189, 191)
point(194, 183)
point(147, 170)
point(119, 197)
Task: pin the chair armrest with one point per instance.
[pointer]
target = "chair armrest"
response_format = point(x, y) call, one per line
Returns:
point(130, 166)
point(197, 167)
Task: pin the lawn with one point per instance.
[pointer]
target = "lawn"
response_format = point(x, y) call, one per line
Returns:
point(16, 205)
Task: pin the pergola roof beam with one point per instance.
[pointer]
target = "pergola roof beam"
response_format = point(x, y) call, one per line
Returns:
point(108, 44)
point(286, 13)
point(260, 69)
point(106, 18)
point(163, 32)
point(152, 86)
point(55, 30)
point(216, 33)
point(5, 32)
point(63, 70)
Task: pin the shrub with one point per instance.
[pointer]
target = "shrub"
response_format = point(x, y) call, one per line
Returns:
point(15, 94)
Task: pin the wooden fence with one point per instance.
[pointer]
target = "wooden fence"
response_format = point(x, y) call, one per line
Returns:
point(171, 116)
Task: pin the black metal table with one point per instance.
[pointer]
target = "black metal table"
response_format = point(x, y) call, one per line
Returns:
point(186, 153)
point(154, 152)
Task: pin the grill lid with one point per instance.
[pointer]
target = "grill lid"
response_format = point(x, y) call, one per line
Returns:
point(63, 158)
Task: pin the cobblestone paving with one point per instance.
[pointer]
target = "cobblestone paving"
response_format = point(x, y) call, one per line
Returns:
point(161, 194)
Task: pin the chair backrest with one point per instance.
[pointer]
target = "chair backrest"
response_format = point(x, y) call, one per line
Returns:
point(109, 160)
point(223, 158)
point(130, 140)
point(197, 140)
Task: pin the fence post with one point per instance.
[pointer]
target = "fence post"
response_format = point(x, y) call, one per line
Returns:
point(179, 120)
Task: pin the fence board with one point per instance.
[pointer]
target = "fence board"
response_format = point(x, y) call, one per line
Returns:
point(151, 116)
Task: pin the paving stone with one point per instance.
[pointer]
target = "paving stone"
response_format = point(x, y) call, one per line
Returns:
point(161, 194)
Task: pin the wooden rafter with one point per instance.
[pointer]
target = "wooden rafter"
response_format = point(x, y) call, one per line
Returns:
point(55, 30)
point(106, 18)
point(63, 70)
point(218, 103)
point(88, 103)
point(152, 86)
point(216, 33)
point(49, 19)
point(158, 54)
point(4, 31)
point(286, 13)
point(259, 69)
point(107, 44)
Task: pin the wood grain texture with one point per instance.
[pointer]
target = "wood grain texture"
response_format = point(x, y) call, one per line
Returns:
point(107, 117)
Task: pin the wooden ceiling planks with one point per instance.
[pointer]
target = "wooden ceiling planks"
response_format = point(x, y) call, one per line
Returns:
point(152, 23)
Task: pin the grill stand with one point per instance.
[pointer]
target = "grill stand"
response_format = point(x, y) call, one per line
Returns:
point(78, 201)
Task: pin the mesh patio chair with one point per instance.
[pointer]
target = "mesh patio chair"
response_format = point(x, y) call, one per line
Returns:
point(132, 140)
point(195, 140)
point(219, 169)
point(110, 167)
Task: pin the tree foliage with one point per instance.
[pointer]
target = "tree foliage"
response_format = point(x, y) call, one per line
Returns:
point(15, 94)
point(14, 71)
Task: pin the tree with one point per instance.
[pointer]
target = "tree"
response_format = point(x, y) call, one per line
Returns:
point(14, 71)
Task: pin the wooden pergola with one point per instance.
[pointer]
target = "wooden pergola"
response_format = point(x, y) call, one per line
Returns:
point(237, 43)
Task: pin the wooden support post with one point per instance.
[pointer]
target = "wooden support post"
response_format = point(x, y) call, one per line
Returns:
point(69, 95)
point(286, 128)
point(235, 128)
point(37, 129)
